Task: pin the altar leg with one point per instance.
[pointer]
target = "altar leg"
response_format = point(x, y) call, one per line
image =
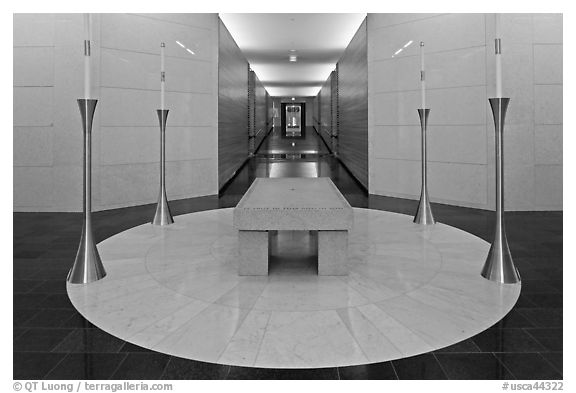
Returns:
point(253, 247)
point(332, 253)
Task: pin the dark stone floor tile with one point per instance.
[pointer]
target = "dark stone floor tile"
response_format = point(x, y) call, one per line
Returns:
point(545, 300)
point(87, 366)
point(513, 319)
point(20, 316)
point(523, 302)
point(555, 359)
point(533, 274)
point(306, 373)
point(90, 341)
point(29, 300)
point(466, 346)
point(543, 317)
point(26, 253)
point(58, 300)
point(374, 371)
point(472, 366)
point(34, 365)
point(26, 273)
point(142, 366)
point(251, 373)
point(49, 319)
point(28, 263)
point(129, 347)
point(25, 286)
point(419, 367)
point(552, 344)
point(51, 287)
point(552, 273)
point(506, 340)
point(78, 321)
point(63, 253)
point(57, 273)
point(528, 366)
point(40, 339)
point(542, 262)
point(539, 286)
point(179, 368)
point(17, 332)
point(558, 284)
point(550, 338)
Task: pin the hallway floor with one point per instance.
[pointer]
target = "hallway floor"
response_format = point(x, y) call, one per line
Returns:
point(53, 341)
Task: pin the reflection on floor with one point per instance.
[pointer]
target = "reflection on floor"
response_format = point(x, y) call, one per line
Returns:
point(284, 156)
point(410, 290)
point(52, 340)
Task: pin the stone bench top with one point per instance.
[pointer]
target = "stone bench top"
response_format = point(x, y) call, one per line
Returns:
point(293, 204)
point(293, 193)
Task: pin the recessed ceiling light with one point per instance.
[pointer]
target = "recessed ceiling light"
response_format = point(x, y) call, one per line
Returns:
point(293, 98)
point(292, 50)
point(293, 58)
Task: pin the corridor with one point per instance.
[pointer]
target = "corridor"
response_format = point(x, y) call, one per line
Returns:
point(286, 156)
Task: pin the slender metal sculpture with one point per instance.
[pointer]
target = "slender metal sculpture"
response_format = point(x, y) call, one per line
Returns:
point(424, 214)
point(162, 215)
point(87, 265)
point(499, 265)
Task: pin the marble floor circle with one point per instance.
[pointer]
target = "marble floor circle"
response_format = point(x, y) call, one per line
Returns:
point(411, 289)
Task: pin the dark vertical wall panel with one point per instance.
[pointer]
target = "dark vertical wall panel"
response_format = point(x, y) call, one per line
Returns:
point(334, 102)
point(260, 112)
point(232, 106)
point(251, 111)
point(353, 106)
point(326, 110)
point(316, 113)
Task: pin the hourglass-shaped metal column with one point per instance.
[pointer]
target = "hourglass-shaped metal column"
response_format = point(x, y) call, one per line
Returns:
point(499, 265)
point(424, 213)
point(87, 265)
point(162, 215)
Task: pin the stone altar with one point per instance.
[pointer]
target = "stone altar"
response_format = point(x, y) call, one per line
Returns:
point(302, 204)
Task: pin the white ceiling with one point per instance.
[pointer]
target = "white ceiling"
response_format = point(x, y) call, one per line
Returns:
point(266, 41)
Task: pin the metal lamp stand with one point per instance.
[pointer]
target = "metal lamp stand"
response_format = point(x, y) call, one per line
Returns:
point(162, 215)
point(499, 266)
point(424, 214)
point(87, 265)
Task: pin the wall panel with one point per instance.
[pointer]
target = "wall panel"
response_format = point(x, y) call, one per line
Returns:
point(48, 78)
point(460, 75)
point(258, 116)
point(261, 113)
point(232, 107)
point(325, 110)
point(353, 106)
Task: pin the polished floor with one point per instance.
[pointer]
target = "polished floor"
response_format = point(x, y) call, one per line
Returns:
point(410, 290)
point(52, 340)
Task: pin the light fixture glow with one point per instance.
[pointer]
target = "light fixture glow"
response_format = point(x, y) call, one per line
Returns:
point(293, 58)
point(257, 37)
point(398, 51)
point(181, 44)
point(187, 49)
point(408, 43)
point(293, 98)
